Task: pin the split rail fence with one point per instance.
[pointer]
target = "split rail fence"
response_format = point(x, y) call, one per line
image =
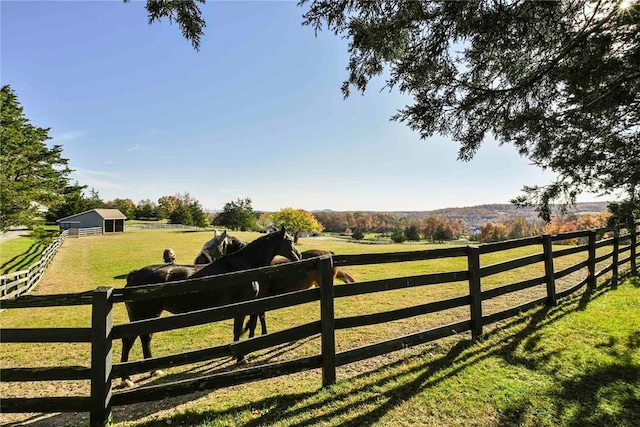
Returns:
point(103, 331)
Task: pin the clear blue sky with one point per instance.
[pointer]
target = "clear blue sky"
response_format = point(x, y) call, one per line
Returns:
point(257, 112)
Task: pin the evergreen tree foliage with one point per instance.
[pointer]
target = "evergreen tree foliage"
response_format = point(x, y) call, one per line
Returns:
point(443, 233)
point(149, 210)
point(412, 232)
point(558, 80)
point(198, 215)
point(398, 235)
point(237, 215)
point(185, 13)
point(357, 233)
point(181, 215)
point(31, 171)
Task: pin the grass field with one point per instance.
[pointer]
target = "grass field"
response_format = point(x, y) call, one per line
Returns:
point(18, 254)
point(574, 364)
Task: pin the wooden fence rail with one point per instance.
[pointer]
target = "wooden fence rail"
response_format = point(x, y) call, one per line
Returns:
point(163, 227)
point(102, 371)
point(18, 283)
point(13, 285)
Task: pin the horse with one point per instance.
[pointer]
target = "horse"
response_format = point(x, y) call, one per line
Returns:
point(214, 248)
point(225, 244)
point(258, 253)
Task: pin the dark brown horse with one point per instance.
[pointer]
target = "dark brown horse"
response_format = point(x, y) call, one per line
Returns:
point(258, 253)
point(225, 244)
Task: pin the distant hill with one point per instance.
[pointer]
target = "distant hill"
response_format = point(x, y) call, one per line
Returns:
point(481, 214)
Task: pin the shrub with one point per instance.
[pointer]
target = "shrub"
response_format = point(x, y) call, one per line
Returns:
point(357, 233)
point(398, 236)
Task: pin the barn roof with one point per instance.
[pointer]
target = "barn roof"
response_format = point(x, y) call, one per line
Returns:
point(104, 213)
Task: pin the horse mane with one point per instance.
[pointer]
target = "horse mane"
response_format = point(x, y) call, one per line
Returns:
point(235, 244)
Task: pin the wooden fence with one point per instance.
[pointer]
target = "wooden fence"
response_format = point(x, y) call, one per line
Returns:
point(12, 285)
point(102, 370)
point(163, 226)
point(81, 232)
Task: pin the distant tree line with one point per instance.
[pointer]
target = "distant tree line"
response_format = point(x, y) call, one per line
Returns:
point(519, 227)
point(239, 215)
point(177, 209)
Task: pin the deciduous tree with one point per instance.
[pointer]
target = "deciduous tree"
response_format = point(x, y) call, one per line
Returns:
point(168, 204)
point(126, 206)
point(296, 221)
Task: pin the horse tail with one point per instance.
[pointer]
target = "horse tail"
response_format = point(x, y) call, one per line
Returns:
point(345, 277)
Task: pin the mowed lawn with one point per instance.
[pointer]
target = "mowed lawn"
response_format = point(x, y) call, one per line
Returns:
point(574, 364)
point(18, 254)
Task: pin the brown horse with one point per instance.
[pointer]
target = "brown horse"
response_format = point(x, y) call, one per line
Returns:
point(258, 253)
point(224, 244)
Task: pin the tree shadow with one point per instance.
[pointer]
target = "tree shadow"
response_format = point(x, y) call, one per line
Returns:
point(586, 400)
point(394, 376)
point(426, 373)
point(22, 260)
point(410, 375)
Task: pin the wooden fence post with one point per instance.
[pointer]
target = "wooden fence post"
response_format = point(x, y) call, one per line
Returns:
point(101, 355)
point(634, 239)
point(591, 265)
point(475, 291)
point(614, 259)
point(548, 269)
point(327, 321)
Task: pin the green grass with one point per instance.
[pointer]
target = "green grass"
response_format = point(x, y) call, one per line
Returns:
point(539, 369)
point(19, 253)
point(571, 365)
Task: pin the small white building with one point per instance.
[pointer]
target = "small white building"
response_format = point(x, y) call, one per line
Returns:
point(110, 220)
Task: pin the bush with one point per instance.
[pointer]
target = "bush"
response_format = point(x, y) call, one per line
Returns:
point(357, 233)
point(413, 233)
point(398, 236)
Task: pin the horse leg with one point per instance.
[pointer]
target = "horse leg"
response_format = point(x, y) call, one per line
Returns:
point(237, 333)
point(127, 345)
point(252, 324)
point(263, 322)
point(146, 351)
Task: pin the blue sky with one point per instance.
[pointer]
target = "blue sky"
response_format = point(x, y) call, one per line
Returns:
point(257, 112)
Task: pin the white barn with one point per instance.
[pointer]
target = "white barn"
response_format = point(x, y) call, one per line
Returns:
point(110, 220)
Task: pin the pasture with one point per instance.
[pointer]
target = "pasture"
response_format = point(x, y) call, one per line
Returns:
point(18, 254)
point(395, 389)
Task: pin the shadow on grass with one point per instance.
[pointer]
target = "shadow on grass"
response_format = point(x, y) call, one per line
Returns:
point(22, 260)
point(605, 396)
point(403, 379)
point(578, 401)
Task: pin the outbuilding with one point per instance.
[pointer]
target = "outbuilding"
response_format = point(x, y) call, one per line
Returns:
point(110, 220)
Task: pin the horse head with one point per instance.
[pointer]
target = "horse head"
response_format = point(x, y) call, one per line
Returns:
point(213, 249)
point(287, 248)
